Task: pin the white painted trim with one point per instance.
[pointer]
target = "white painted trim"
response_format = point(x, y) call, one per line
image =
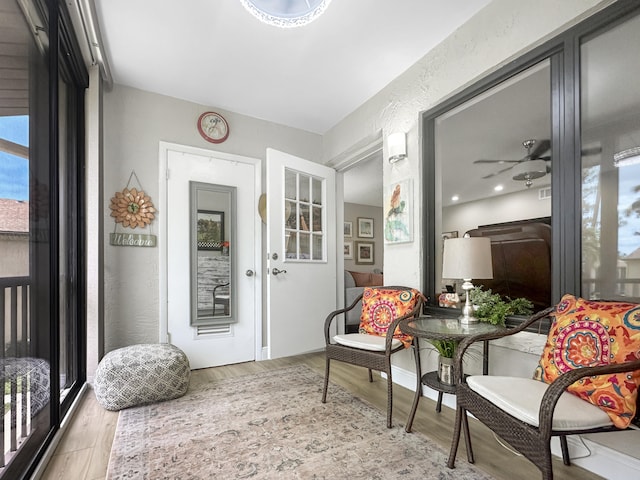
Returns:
point(164, 149)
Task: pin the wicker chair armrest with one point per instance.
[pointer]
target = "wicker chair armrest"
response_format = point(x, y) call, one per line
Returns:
point(481, 337)
point(560, 384)
point(334, 314)
point(394, 325)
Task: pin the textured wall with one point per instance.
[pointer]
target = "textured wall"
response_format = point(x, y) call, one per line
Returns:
point(499, 33)
point(135, 122)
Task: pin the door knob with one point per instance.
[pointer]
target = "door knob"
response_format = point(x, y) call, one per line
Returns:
point(249, 273)
point(275, 271)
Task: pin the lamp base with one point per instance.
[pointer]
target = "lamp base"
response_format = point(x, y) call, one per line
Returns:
point(467, 310)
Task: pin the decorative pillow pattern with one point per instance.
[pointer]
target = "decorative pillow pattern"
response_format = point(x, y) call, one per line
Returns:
point(589, 333)
point(381, 306)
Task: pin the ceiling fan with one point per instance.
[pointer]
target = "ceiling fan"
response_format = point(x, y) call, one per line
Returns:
point(535, 149)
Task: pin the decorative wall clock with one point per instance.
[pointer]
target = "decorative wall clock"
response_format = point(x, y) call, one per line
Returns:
point(213, 127)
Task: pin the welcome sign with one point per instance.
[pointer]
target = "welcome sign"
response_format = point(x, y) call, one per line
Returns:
point(132, 240)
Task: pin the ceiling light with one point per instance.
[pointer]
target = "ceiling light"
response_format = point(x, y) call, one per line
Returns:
point(455, 198)
point(498, 188)
point(630, 156)
point(529, 171)
point(286, 13)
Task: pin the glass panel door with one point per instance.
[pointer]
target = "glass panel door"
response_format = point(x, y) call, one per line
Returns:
point(610, 122)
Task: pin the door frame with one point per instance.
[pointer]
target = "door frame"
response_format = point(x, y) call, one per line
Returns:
point(164, 148)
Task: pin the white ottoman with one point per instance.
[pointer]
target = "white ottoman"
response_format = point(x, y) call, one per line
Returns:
point(141, 374)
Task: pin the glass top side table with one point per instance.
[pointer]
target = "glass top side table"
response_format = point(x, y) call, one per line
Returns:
point(441, 328)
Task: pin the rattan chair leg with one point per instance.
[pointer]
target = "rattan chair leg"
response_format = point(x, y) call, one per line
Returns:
point(467, 436)
point(326, 381)
point(370, 376)
point(451, 462)
point(389, 399)
point(565, 450)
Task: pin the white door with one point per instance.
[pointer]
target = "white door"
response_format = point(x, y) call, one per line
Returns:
point(222, 343)
point(301, 252)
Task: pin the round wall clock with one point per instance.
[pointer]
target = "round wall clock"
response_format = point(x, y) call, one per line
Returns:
point(213, 127)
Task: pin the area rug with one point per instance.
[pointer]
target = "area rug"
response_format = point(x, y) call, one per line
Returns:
point(272, 425)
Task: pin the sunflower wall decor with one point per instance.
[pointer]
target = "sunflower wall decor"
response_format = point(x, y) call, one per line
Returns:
point(132, 208)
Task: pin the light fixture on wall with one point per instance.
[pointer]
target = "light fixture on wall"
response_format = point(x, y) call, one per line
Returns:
point(624, 158)
point(397, 143)
point(467, 258)
point(286, 14)
point(529, 170)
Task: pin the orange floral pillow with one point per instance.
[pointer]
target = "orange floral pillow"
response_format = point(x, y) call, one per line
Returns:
point(587, 333)
point(381, 306)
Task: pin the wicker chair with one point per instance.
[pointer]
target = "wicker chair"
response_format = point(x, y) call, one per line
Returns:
point(528, 428)
point(369, 351)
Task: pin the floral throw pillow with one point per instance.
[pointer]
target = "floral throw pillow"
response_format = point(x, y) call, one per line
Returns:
point(381, 306)
point(587, 333)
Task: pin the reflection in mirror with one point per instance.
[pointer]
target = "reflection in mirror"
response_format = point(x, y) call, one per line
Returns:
point(493, 174)
point(212, 240)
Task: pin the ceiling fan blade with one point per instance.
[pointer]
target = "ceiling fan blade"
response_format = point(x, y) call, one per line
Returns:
point(498, 172)
point(484, 160)
point(539, 148)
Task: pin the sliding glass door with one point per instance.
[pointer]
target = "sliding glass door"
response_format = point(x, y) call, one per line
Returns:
point(41, 243)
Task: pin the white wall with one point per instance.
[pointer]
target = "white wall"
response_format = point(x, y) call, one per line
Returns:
point(135, 122)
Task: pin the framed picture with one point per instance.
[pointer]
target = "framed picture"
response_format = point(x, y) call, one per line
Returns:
point(210, 230)
point(348, 229)
point(364, 253)
point(365, 227)
point(398, 210)
point(348, 250)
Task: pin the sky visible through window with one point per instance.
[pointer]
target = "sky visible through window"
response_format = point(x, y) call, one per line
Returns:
point(14, 171)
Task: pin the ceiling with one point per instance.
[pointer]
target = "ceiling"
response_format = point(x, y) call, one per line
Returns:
point(216, 53)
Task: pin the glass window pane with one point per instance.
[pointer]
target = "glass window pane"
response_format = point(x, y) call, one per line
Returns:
point(316, 191)
point(290, 215)
point(610, 127)
point(304, 217)
point(489, 176)
point(305, 246)
point(291, 241)
point(305, 194)
point(317, 219)
point(290, 184)
point(317, 247)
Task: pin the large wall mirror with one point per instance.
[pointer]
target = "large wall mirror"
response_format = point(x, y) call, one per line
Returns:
point(213, 220)
point(543, 157)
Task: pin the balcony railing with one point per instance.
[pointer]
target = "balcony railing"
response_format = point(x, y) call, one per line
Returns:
point(25, 378)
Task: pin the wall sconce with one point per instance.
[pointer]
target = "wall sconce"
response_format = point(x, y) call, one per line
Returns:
point(397, 146)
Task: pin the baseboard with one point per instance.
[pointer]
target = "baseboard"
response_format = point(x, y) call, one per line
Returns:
point(595, 457)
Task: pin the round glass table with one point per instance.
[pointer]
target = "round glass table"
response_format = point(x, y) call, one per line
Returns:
point(442, 328)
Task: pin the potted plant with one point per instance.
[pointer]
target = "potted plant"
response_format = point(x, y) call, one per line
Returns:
point(489, 307)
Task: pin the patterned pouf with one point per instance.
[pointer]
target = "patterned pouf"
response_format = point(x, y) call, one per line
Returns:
point(141, 374)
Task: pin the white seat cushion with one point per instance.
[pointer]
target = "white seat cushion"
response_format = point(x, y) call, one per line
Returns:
point(521, 397)
point(365, 342)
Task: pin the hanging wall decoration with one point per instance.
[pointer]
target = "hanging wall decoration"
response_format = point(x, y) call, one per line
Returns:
point(132, 208)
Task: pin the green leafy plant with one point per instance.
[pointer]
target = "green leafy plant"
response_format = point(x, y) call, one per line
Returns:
point(492, 308)
point(446, 348)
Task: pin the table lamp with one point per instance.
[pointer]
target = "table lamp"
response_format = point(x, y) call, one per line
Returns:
point(467, 258)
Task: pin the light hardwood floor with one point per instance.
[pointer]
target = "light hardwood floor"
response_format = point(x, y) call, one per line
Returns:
point(83, 453)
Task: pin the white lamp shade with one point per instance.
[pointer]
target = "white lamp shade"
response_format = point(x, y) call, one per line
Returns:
point(467, 258)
